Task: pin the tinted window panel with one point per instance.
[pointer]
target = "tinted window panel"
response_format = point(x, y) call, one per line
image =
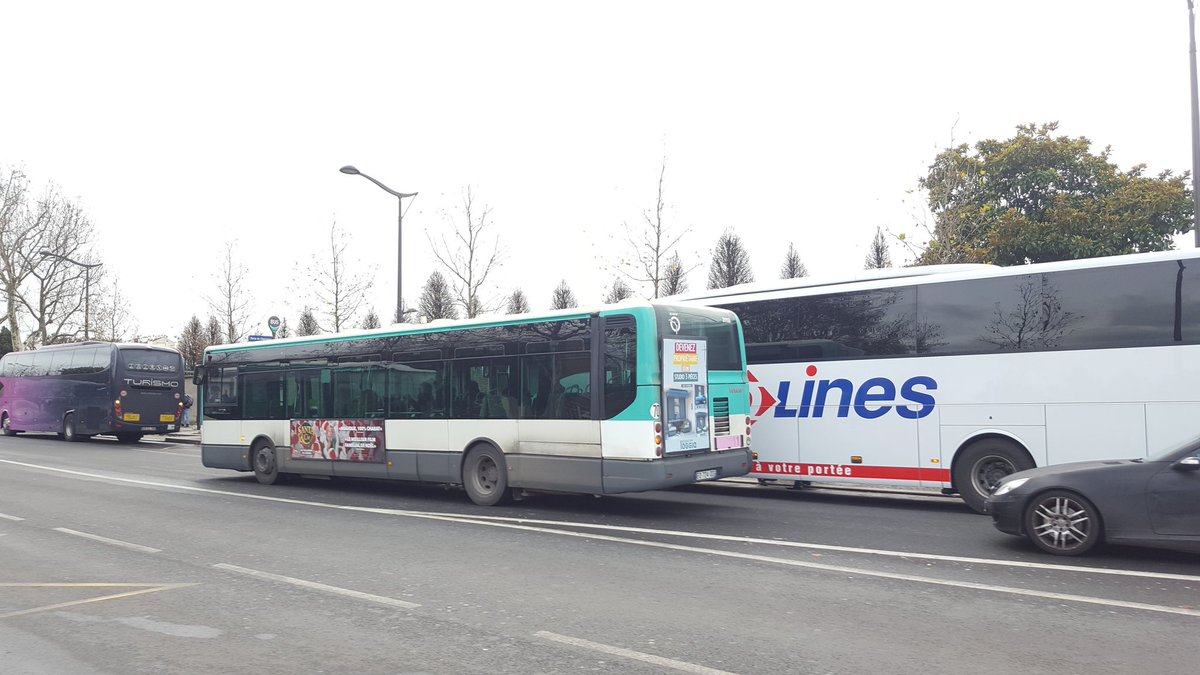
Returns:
point(417, 390)
point(484, 388)
point(620, 364)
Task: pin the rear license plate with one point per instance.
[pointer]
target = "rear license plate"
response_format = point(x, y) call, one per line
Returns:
point(166, 418)
point(132, 417)
point(706, 474)
point(149, 428)
point(729, 442)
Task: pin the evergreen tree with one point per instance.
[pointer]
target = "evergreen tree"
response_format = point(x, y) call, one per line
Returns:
point(192, 342)
point(437, 299)
point(674, 279)
point(6, 344)
point(283, 331)
point(518, 303)
point(563, 297)
point(371, 320)
point(793, 268)
point(214, 331)
point(619, 291)
point(878, 255)
point(731, 262)
point(308, 323)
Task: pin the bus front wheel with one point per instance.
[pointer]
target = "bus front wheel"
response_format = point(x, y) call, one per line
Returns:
point(485, 476)
point(266, 469)
point(70, 432)
point(981, 466)
point(6, 426)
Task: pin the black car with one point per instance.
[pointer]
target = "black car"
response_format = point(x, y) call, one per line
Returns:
point(1068, 509)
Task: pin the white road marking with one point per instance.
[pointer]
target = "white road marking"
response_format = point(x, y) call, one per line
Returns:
point(630, 654)
point(106, 540)
point(358, 595)
point(516, 523)
point(5, 516)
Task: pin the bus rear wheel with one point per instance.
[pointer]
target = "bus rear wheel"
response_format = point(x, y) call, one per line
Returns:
point(485, 476)
point(982, 465)
point(266, 468)
point(70, 433)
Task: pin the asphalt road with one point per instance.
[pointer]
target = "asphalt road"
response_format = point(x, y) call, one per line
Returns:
point(136, 559)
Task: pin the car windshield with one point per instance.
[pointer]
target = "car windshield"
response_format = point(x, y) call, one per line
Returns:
point(1177, 449)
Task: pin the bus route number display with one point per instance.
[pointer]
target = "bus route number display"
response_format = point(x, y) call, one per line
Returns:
point(685, 395)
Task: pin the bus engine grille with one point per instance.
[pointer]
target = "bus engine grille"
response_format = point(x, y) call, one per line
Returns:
point(720, 413)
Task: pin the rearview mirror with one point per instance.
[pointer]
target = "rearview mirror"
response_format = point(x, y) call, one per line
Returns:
point(198, 375)
point(1187, 464)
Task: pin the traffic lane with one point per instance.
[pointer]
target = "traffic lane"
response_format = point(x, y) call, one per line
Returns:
point(93, 607)
point(925, 524)
point(656, 599)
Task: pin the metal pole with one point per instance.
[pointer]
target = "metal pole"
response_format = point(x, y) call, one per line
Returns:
point(1195, 126)
point(87, 298)
point(400, 258)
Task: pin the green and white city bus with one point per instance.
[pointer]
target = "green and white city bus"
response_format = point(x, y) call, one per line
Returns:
point(626, 398)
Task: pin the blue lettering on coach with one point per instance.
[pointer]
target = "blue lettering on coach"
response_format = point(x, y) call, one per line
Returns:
point(870, 400)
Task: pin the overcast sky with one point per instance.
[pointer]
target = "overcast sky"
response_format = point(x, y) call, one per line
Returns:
point(181, 127)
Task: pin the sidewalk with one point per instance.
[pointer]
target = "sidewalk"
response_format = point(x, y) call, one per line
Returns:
point(189, 435)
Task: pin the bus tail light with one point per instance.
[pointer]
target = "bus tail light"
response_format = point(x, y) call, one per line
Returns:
point(658, 448)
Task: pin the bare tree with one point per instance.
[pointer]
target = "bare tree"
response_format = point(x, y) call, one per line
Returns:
point(618, 292)
point(878, 255)
point(213, 333)
point(340, 288)
point(518, 303)
point(231, 302)
point(54, 295)
point(283, 331)
point(563, 297)
point(731, 262)
point(469, 261)
point(793, 268)
point(674, 279)
point(653, 242)
point(308, 323)
point(192, 342)
point(18, 227)
point(113, 320)
point(437, 300)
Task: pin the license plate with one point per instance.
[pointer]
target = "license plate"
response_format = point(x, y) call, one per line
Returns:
point(149, 428)
point(166, 418)
point(706, 474)
point(132, 417)
point(729, 442)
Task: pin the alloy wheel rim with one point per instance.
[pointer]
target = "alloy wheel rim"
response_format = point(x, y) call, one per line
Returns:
point(1062, 523)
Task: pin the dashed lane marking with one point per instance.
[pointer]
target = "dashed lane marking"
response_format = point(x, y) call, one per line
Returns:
point(630, 654)
point(358, 595)
point(106, 540)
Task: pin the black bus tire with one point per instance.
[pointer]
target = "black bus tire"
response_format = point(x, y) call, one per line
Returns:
point(265, 463)
point(981, 465)
point(70, 433)
point(485, 476)
point(5, 425)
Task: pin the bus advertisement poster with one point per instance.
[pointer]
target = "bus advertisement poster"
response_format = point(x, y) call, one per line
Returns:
point(685, 394)
point(338, 440)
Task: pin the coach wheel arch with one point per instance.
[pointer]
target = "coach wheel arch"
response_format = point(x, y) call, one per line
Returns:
point(484, 474)
point(982, 462)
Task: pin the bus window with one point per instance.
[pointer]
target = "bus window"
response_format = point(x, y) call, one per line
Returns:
point(222, 387)
point(620, 364)
point(304, 400)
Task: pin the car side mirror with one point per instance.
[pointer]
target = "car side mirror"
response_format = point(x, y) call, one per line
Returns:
point(1188, 464)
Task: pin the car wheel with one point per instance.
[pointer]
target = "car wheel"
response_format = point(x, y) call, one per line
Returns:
point(485, 476)
point(983, 464)
point(1063, 523)
point(266, 467)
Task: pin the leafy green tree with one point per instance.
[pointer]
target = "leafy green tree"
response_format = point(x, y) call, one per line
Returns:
point(1037, 197)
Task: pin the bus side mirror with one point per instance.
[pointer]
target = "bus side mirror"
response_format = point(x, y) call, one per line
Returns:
point(199, 376)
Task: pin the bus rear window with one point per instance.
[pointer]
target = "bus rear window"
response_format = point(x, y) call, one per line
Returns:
point(718, 328)
point(151, 361)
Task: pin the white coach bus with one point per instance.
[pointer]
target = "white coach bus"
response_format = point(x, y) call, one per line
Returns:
point(953, 377)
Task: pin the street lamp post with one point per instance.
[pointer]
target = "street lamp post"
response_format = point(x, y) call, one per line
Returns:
point(399, 233)
point(87, 284)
